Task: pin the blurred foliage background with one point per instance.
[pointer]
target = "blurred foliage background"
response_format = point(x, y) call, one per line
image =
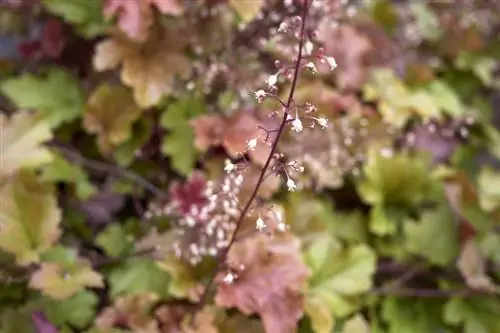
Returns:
point(115, 113)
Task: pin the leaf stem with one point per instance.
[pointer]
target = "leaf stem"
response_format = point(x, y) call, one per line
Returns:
point(260, 180)
point(76, 157)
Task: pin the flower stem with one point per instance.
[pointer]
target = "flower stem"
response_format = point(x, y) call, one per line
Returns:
point(248, 204)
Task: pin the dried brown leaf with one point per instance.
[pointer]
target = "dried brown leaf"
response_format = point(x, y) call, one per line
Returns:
point(270, 283)
point(472, 265)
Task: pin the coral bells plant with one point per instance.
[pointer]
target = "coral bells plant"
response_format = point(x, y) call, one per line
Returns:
point(250, 166)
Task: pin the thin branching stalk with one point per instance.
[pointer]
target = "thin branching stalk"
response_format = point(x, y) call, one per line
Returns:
point(222, 258)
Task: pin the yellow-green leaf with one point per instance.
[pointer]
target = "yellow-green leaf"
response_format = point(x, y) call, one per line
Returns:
point(64, 274)
point(246, 9)
point(29, 217)
point(21, 137)
point(110, 114)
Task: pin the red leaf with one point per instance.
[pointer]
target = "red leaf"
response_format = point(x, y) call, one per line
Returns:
point(270, 283)
point(52, 39)
point(185, 196)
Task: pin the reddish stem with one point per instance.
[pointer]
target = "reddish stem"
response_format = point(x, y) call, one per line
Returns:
point(247, 206)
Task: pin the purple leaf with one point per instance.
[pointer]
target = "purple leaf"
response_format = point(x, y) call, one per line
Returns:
point(42, 324)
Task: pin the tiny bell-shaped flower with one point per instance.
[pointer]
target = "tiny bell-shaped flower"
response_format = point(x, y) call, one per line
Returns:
point(229, 278)
point(272, 80)
point(297, 125)
point(260, 224)
point(291, 185)
point(312, 68)
point(251, 144)
point(229, 166)
point(331, 62)
point(323, 122)
point(283, 27)
point(260, 95)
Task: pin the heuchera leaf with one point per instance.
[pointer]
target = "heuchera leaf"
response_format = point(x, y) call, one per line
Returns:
point(356, 324)
point(472, 266)
point(271, 283)
point(29, 217)
point(79, 310)
point(86, 15)
point(178, 144)
point(139, 275)
point(397, 103)
point(63, 274)
point(148, 68)
point(489, 189)
point(114, 240)
point(43, 93)
point(412, 315)
point(393, 183)
point(109, 114)
point(20, 139)
point(340, 276)
point(61, 170)
point(246, 9)
point(474, 314)
point(420, 236)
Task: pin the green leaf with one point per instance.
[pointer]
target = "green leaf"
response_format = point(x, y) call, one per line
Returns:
point(427, 21)
point(339, 276)
point(474, 314)
point(125, 153)
point(396, 179)
point(44, 94)
point(63, 274)
point(16, 320)
point(489, 189)
point(412, 315)
point(319, 312)
point(21, 136)
point(78, 311)
point(396, 102)
point(62, 171)
point(394, 184)
point(115, 241)
point(138, 275)
point(86, 15)
point(179, 143)
point(421, 236)
point(29, 219)
point(446, 98)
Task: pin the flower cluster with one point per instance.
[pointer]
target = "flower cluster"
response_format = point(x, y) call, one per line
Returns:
point(203, 213)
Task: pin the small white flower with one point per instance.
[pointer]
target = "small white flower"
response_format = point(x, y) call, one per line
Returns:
point(260, 224)
point(229, 166)
point(297, 125)
point(260, 95)
point(283, 27)
point(308, 48)
point(331, 62)
point(282, 226)
point(323, 122)
point(229, 278)
point(272, 80)
point(312, 68)
point(251, 144)
point(291, 185)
